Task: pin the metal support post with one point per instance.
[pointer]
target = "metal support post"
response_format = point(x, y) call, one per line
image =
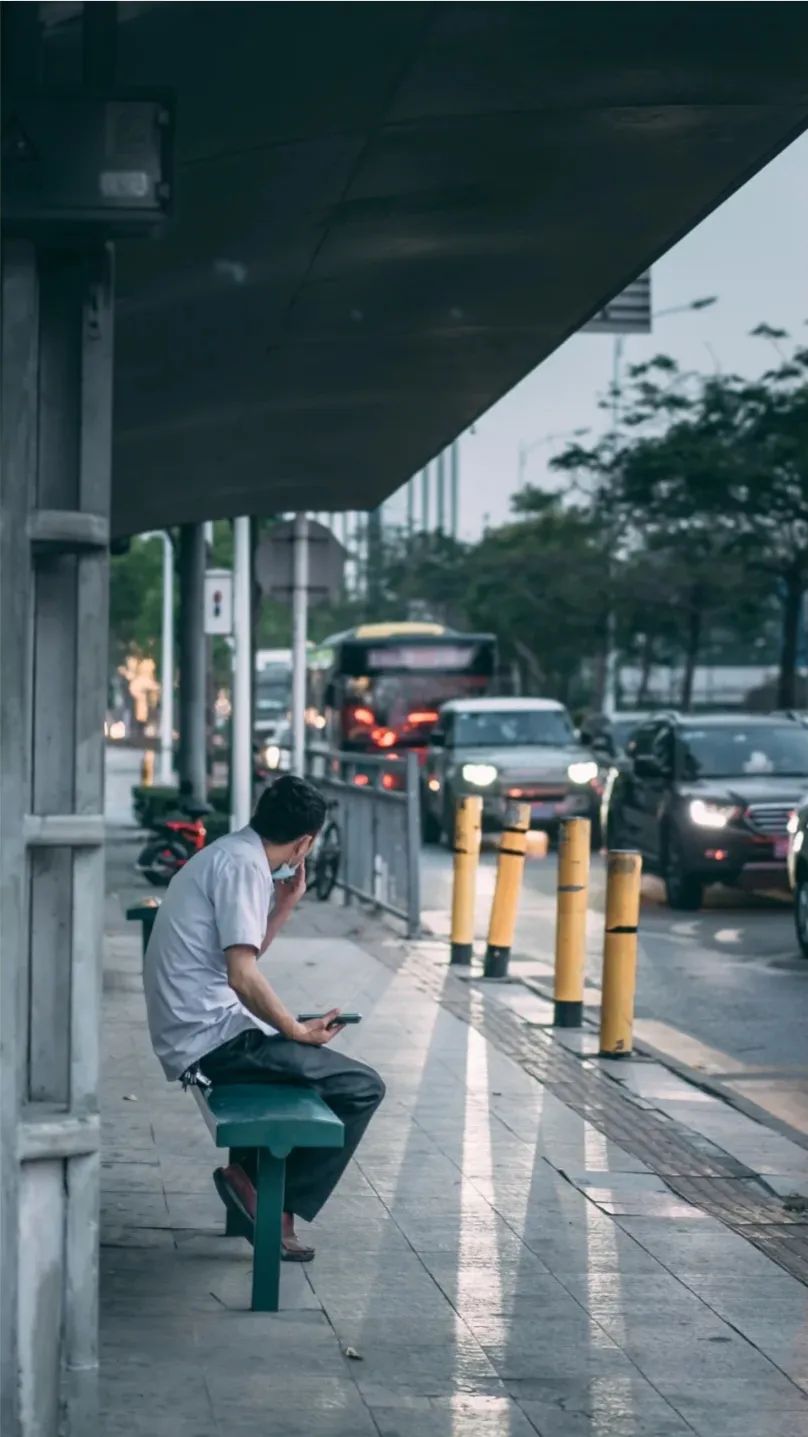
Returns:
point(241, 718)
point(574, 843)
point(167, 666)
point(54, 569)
point(441, 493)
point(413, 846)
point(455, 487)
point(193, 770)
point(510, 867)
point(300, 597)
point(467, 837)
point(425, 499)
point(623, 873)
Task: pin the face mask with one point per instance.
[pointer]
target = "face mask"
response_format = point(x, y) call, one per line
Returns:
point(285, 871)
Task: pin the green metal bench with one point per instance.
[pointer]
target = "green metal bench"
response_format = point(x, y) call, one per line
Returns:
point(273, 1119)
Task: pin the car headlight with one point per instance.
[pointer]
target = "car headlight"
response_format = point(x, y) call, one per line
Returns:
point(272, 755)
point(582, 772)
point(712, 815)
point(482, 775)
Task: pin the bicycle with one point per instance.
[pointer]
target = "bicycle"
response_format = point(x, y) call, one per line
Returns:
point(323, 863)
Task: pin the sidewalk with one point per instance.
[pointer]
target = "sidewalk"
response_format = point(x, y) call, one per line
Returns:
point(500, 1259)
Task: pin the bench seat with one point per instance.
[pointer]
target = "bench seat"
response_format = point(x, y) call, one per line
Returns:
point(273, 1118)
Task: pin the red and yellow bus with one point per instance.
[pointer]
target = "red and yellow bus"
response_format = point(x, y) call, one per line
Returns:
point(380, 686)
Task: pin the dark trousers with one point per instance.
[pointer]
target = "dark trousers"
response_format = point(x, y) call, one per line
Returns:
point(351, 1089)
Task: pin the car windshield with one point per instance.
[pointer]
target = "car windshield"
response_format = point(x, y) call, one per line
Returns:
point(508, 728)
point(779, 750)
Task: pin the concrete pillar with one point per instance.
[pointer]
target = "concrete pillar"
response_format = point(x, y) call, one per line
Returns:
point(192, 666)
point(54, 568)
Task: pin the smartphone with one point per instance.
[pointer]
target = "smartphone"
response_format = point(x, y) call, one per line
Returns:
point(335, 1022)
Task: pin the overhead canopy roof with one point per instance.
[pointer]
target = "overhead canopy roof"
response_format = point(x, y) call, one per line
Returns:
point(389, 213)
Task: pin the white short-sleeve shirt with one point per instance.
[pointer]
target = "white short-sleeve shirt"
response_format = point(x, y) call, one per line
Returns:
point(222, 897)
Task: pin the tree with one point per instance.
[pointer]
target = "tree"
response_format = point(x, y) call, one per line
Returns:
point(713, 473)
point(542, 584)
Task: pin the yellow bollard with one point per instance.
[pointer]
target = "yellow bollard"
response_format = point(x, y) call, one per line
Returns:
point(147, 769)
point(468, 825)
point(513, 845)
point(623, 873)
point(571, 906)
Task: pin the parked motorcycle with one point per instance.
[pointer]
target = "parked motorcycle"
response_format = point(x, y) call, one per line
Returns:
point(176, 839)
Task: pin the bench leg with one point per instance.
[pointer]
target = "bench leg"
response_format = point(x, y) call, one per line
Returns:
point(267, 1251)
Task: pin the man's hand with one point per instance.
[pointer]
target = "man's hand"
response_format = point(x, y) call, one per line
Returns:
point(317, 1031)
point(288, 893)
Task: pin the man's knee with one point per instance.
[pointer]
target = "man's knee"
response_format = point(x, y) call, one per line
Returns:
point(376, 1085)
point(361, 1086)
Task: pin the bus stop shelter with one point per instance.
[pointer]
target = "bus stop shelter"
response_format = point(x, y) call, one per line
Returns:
point(261, 257)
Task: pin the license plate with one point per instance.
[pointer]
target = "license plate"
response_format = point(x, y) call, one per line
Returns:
point(543, 810)
point(781, 848)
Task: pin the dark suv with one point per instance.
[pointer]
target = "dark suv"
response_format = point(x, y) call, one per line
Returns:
point(708, 799)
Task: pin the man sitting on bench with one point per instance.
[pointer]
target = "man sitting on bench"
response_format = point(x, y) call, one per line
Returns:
point(211, 1009)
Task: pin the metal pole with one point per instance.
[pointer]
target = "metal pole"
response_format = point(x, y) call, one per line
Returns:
point(193, 776)
point(167, 666)
point(623, 874)
point(300, 594)
point(241, 717)
point(441, 492)
point(375, 551)
point(610, 662)
point(410, 507)
point(574, 842)
point(425, 499)
point(455, 487)
point(413, 846)
point(467, 836)
point(510, 867)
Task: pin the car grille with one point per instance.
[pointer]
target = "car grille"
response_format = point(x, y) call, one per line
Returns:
point(769, 818)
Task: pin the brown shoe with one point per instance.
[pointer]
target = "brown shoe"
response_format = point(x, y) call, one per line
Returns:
point(237, 1193)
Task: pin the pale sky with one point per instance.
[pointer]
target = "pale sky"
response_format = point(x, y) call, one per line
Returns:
point(751, 253)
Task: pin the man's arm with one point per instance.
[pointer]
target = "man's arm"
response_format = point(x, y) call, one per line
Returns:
point(288, 893)
point(257, 995)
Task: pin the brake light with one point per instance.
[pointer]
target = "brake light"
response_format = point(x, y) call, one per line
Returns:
point(365, 716)
point(423, 716)
point(384, 737)
point(388, 780)
point(361, 780)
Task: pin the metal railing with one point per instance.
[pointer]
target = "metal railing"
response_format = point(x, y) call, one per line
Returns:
point(375, 802)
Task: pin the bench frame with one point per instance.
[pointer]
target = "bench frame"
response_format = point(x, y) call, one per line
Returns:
point(318, 1127)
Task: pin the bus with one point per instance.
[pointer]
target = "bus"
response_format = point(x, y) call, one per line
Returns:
point(380, 686)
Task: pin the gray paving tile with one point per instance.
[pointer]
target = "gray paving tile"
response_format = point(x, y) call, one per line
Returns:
point(611, 1408)
point(713, 1423)
point(465, 1415)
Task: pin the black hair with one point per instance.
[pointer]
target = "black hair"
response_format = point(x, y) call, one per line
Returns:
point(289, 809)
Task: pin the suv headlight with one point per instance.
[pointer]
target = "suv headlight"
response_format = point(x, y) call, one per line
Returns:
point(582, 772)
point(482, 775)
point(712, 815)
point(272, 755)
